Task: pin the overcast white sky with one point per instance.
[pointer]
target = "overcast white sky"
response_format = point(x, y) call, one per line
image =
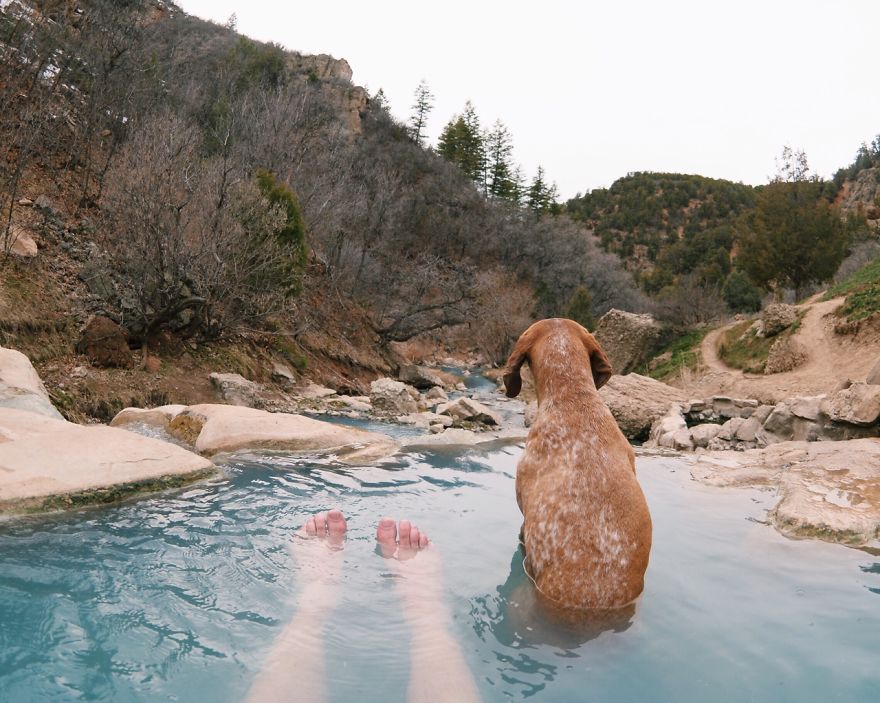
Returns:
point(592, 90)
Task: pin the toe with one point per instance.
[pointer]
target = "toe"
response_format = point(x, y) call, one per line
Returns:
point(423, 541)
point(414, 536)
point(386, 535)
point(321, 524)
point(403, 533)
point(309, 527)
point(336, 524)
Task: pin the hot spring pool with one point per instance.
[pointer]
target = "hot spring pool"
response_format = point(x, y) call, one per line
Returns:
point(179, 596)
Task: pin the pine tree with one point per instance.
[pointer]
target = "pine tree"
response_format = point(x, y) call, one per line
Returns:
point(461, 143)
point(500, 181)
point(380, 100)
point(419, 119)
point(541, 197)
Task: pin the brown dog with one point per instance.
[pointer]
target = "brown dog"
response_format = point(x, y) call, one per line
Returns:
point(586, 525)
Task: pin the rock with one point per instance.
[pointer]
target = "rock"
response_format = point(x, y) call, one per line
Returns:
point(159, 417)
point(703, 434)
point(322, 66)
point(25, 202)
point(425, 420)
point(419, 377)
point(469, 410)
point(747, 430)
point(728, 430)
point(783, 425)
point(626, 338)
point(659, 360)
point(46, 204)
point(637, 401)
point(94, 274)
point(19, 242)
point(842, 384)
point(777, 317)
point(873, 377)
point(724, 407)
point(682, 440)
point(21, 387)
point(313, 391)
point(283, 374)
point(394, 397)
point(664, 429)
point(104, 343)
point(51, 464)
point(806, 407)
point(236, 389)
point(785, 354)
point(827, 490)
point(212, 429)
point(437, 393)
point(152, 364)
point(859, 404)
point(358, 403)
point(762, 412)
point(436, 429)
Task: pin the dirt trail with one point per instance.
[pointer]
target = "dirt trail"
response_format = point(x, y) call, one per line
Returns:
point(831, 359)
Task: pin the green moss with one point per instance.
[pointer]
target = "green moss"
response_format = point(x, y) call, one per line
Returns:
point(100, 496)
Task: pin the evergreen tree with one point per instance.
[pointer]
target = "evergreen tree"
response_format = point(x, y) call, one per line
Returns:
point(794, 237)
point(419, 119)
point(380, 100)
point(541, 197)
point(500, 181)
point(461, 143)
point(740, 294)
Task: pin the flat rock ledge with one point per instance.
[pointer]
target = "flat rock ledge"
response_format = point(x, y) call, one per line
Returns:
point(50, 464)
point(212, 429)
point(827, 490)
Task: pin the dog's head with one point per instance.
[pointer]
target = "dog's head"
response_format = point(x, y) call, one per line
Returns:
point(529, 340)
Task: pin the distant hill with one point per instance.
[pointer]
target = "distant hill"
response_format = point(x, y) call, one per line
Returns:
point(644, 216)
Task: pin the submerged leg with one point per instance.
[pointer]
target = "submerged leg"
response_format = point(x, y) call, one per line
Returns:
point(295, 668)
point(438, 671)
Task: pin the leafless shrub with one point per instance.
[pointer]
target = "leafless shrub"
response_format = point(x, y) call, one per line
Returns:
point(194, 242)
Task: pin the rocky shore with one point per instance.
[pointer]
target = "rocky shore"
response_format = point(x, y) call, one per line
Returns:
point(820, 453)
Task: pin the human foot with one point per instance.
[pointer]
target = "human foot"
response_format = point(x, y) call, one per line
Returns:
point(418, 571)
point(317, 549)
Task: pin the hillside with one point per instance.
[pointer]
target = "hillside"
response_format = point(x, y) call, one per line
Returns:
point(230, 204)
point(679, 222)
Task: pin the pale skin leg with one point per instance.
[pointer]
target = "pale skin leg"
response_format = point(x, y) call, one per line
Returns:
point(295, 668)
point(438, 671)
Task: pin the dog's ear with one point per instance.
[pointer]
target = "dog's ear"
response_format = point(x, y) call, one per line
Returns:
point(520, 353)
point(599, 363)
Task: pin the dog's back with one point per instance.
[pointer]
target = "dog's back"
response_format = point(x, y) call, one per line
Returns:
point(587, 529)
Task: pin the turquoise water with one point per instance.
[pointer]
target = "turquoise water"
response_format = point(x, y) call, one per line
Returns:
point(179, 596)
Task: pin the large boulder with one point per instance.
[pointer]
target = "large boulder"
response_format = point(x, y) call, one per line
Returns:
point(21, 387)
point(419, 376)
point(626, 338)
point(236, 389)
point(212, 429)
point(50, 464)
point(827, 490)
point(858, 405)
point(469, 410)
point(104, 343)
point(394, 397)
point(777, 317)
point(637, 401)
